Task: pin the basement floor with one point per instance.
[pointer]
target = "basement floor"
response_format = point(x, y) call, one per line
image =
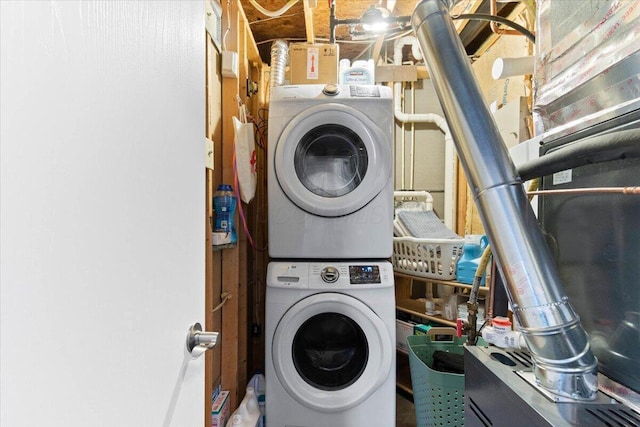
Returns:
point(405, 412)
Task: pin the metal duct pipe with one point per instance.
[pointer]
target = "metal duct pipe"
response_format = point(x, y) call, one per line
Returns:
point(279, 59)
point(563, 361)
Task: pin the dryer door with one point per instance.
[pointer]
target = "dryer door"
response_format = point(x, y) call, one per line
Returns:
point(330, 352)
point(331, 160)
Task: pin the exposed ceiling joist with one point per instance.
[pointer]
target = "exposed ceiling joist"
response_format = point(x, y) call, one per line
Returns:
point(309, 5)
point(353, 44)
point(464, 8)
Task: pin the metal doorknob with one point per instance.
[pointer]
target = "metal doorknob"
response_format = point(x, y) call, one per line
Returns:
point(199, 338)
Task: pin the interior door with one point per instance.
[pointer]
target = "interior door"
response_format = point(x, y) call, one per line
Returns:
point(101, 204)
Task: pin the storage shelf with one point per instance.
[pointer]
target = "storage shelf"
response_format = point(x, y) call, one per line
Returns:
point(413, 307)
point(409, 304)
point(481, 289)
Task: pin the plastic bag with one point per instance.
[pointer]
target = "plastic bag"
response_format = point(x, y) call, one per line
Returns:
point(245, 153)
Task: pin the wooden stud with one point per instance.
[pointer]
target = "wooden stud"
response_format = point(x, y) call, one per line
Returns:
point(308, 22)
point(377, 48)
point(230, 257)
point(213, 262)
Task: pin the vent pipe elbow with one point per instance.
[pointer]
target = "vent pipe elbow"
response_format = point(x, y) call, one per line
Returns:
point(563, 361)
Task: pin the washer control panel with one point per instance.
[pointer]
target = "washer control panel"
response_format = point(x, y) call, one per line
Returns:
point(363, 274)
point(330, 275)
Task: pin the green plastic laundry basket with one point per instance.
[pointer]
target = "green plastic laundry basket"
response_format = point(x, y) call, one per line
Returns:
point(438, 397)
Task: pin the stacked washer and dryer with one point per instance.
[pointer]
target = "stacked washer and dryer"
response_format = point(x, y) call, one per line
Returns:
point(330, 302)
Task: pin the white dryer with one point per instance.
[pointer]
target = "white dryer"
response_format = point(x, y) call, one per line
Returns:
point(330, 344)
point(330, 172)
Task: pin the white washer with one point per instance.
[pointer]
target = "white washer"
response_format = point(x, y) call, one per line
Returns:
point(330, 344)
point(330, 172)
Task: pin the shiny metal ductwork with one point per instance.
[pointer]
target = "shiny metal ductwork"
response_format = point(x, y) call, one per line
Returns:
point(279, 59)
point(563, 361)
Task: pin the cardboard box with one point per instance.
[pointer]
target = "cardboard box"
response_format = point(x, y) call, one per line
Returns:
point(220, 410)
point(403, 330)
point(313, 63)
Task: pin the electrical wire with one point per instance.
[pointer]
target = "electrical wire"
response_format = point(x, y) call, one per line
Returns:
point(276, 13)
point(260, 126)
point(226, 296)
point(226, 31)
point(392, 36)
point(241, 214)
point(493, 18)
point(399, 35)
point(259, 21)
point(483, 325)
point(290, 39)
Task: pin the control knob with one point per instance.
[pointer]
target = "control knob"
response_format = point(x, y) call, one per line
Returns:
point(330, 274)
point(331, 89)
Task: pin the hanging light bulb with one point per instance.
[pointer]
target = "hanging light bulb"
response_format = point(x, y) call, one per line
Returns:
point(373, 19)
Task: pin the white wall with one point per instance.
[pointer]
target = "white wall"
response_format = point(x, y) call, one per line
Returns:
point(429, 156)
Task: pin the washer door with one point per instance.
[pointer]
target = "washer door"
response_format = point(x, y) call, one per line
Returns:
point(331, 160)
point(330, 352)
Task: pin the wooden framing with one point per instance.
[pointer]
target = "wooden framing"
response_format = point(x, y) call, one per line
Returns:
point(308, 21)
point(230, 257)
point(227, 270)
point(213, 260)
point(469, 6)
point(377, 49)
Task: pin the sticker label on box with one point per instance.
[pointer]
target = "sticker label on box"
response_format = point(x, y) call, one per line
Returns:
point(312, 63)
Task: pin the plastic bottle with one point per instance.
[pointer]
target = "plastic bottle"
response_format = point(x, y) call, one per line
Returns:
point(360, 73)
point(248, 412)
point(474, 245)
point(224, 230)
point(501, 335)
point(259, 385)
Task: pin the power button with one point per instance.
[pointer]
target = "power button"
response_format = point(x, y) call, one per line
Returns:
point(331, 90)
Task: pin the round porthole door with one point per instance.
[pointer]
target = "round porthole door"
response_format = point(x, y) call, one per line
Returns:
point(331, 351)
point(331, 160)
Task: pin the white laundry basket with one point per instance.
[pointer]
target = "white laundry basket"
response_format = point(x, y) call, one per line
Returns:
point(429, 257)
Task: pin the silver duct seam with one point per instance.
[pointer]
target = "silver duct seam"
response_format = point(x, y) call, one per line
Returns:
point(279, 59)
point(563, 361)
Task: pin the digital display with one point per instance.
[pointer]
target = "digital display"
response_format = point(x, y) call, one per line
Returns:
point(364, 274)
